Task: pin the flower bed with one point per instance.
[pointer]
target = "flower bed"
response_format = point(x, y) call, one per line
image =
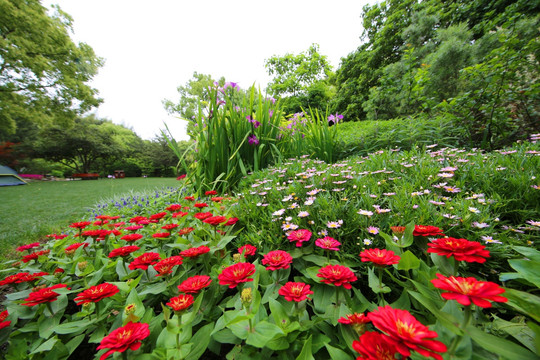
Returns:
point(32, 176)
point(213, 275)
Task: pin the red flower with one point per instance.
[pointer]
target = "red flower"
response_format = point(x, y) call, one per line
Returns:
point(196, 251)
point(163, 235)
point(299, 236)
point(59, 271)
point(34, 255)
point(133, 227)
point(217, 199)
point(145, 260)
point(180, 302)
point(215, 220)
point(80, 225)
point(194, 284)
point(165, 266)
point(158, 216)
point(247, 250)
point(374, 346)
point(131, 237)
point(427, 230)
point(355, 318)
point(123, 251)
point(96, 293)
point(202, 215)
point(467, 290)
point(406, 333)
point(123, 338)
point(211, 192)
point(231, 221)
point(328, 243)
point(22, 277)
point(379, 257)
point(138, 219)
point(173, 207)
point(98, 234)
point(42, 296)
point(3, 315)
point(460, 249)
point(236, 274)
point(337, 275)
point(169, 226)
point(27, 247)
point(398, 230)
point(295, 291)
point(71, 248)
point(190, 198)
point(277, 259)
point(179, 214)
point(181, 177)
point(200, 205)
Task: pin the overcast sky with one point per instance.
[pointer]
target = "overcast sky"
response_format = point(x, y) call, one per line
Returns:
point(152, 47)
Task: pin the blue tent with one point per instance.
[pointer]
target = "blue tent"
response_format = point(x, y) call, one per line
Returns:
point(9, 177)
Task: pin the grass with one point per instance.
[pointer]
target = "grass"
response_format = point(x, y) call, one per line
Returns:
point(30, 212)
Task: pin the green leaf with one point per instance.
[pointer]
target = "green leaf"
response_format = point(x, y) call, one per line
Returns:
point(408, 261)
point(447, 320)
point(155, 288)
point(444, 264)
point(73, 327)
point(518, 330)
point(281, 318)
point(74, 343)
point(46, 346)
point(374, 284)
point(48, 324)
point(263, 333)
point(527, 269)
point(529, 252)
point(306, 354)
point(498, 345)
point(337, 354)
point(200, 341)
point(527, 304)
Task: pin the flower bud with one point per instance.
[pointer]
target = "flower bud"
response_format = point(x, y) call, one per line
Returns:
point(82, 265)
point(130, 309)
point(246, 297)
point(237, 258)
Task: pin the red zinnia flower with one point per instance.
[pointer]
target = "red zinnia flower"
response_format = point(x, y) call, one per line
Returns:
point(374, 346)
point(236, 274)
point(34, 255)
point(42, 296)
point(190, 198)
point(398, 230)
point(137, 219)
point(165, 266)
point(123, 251)
point(379, 257)
point(337, 275)
point(3, 315)
point(123, 338)
point(27, 247)
point(200, 205)
point(179, 214)
point(169, 226)
point(71, 248)
point(427, 230)
point(96, 293)
point(145, 260)
point(295, 291)
point(277, 259)
point(299, 236)
point(328, 243)
point(217, 199)
point(467, 290)
point(196, 251)
point(97, 234)
point(231, 221)
point(180, 302)
point(215, 220)
point(173, 207)
point(460, 249)
point(355, 318)
point(80, 225)
point(133, 227)
point(194, 284)
point(158, 216)
point(22, 277)
point(211, 192)
point(202, 215)
point(163, 235)
point(131, 237)
point(247, 250)
point(406, 333)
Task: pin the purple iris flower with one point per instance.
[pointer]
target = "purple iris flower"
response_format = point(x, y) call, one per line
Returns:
point(252, 140)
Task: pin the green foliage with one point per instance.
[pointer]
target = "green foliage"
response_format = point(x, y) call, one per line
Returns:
point(43, 73)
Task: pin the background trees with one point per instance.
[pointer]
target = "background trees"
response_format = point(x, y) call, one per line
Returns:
point(43, 73)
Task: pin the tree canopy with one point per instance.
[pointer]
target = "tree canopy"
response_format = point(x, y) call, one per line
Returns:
point(43, 73)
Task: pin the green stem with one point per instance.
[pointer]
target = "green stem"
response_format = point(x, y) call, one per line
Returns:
point(337, 296)
point(381, 299)
point(457, 339)
point(179, 329)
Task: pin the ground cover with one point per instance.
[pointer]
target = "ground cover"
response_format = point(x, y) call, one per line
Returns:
point(426, 253)
point(40, 208)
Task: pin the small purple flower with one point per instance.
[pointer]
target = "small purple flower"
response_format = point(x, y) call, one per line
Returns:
point(270, 113)
point(252, 140)
point(335, 118)
point(231, 84)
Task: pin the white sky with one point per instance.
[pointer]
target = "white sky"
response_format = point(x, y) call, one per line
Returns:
point(152, 47)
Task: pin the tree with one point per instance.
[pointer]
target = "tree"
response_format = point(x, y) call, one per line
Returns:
point(43, 73)
point(293, 74)
point(194, 91)
point(82, 146)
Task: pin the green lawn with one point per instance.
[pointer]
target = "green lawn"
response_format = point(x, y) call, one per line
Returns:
point(29, 212)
